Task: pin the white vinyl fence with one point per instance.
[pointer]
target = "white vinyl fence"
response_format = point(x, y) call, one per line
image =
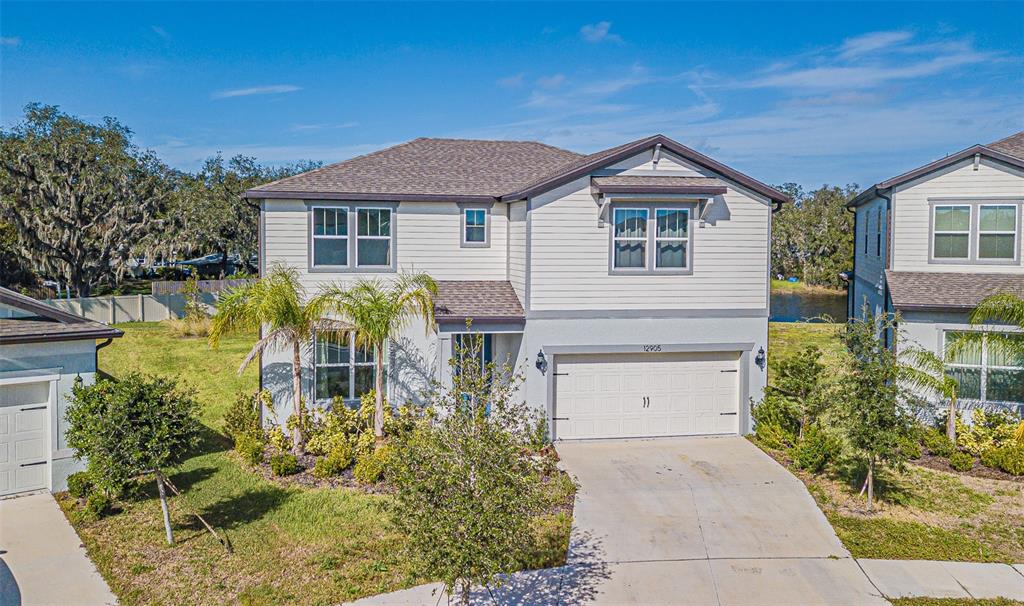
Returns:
point(130, 308)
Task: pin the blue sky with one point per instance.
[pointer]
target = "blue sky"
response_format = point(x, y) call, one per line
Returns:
point(806, 92)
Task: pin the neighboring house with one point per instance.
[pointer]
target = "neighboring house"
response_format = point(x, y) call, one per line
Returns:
point(42, 351)
point(630, 285)
point(933, 242)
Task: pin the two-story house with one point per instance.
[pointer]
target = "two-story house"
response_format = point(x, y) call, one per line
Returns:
point(932, 243)
point(630, 285)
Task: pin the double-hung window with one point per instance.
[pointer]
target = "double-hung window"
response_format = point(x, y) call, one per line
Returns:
point(341, 368)
point(330, 236)
point(373, 237)
point(951, 233)
point(630, 238)
point(985, 372)
point(671, 237)
point(997, 231)
point(878, 233)
point(473, 348)
point(475, 228)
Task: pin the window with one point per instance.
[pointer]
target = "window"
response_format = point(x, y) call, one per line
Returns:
point(670, 237)
point(997, 231)
point(330, 236)
point(878, 234)
point(483, 349)
point(341, 369)
point(475, 228)
point(373, 237)
point(951, 232)
point(630, 238)
point(986, 372)
point(867, 229)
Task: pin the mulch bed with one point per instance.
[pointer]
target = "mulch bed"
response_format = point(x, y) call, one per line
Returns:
point(306, 479)
point(978, 471)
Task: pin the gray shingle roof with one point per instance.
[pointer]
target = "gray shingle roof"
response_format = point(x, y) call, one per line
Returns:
point(919, 290)
point(479, 300)
point(434, 167)
point(1012, 145)
point(46, 323)
point(627, 183)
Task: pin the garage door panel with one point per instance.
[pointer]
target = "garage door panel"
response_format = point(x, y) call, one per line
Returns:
point(24, 438)
point(653, 395)
point(30, 420)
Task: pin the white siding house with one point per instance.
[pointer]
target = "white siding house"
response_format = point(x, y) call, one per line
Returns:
point(950, 234)
point(630, 285)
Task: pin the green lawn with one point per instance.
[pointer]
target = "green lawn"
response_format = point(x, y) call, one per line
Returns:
point(955, 602)
point(922, 513)
point(802, 286)
point(292, 546)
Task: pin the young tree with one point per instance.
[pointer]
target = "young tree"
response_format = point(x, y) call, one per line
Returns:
point(466, 487)
point(378, 311)
point(873, 402)
point(81, 196)
point(802, 379)
point(278, 304)
point(138, 425)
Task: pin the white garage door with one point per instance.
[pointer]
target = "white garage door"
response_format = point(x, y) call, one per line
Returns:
point(24, 464)
point(640, 395)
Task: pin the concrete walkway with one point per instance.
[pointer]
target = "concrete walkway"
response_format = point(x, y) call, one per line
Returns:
point(710, 521)
point(42, 561)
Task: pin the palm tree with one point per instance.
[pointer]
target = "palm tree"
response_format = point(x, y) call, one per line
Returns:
point(278, 303)
point(927, 372)
point(378, 311)
point(1003, 308)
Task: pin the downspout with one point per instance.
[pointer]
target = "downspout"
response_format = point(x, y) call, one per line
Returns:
point(96, 353)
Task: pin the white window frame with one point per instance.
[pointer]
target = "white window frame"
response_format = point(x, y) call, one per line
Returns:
point(352, 365)
point(343, 210)
point(983, 367)
point(391, 231)
point(685, 240)
point(464, 225)
point(935, 232)
point(645, 239)
point(1016, 243)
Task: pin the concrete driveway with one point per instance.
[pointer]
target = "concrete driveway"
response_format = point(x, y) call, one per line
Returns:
point(700, 521)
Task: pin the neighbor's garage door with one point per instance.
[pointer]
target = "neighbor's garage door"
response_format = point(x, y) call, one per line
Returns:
point(640, 395)
point(24, 464)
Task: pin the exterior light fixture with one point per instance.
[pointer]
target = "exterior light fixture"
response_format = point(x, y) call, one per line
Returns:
point(542, 362)
point(760, 359)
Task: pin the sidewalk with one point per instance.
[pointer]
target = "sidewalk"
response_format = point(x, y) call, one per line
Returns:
point(931, 579)
point(42, 561)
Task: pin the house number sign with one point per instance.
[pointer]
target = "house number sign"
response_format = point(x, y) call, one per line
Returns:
point(650, 348)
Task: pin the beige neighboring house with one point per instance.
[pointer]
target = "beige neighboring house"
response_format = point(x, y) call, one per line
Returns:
point(935, 241)
point(43, 350)
point(629, 285)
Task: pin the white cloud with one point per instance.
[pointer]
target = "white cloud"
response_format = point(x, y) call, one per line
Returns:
point(159, 31)
point(871, 42)
point(10, 41)
point(272, 89)
point(599, 32)
point(552, 81)
point(513, 81)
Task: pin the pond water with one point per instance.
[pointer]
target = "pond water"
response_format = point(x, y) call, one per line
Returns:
point(804, 306)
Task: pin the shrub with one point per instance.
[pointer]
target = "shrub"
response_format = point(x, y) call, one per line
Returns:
point(80, 484)
point(284, 464)
point(1009, 458)
point(776, 421)
point(961, 461)
point(335, 427)
point(937, 443)
point(188, 327)
point(96, 504)
point(277, 439)
point(370, 467)
point(335, 462)
point(910, 446)
point(243, 416)
point(814, 450)
point(538, 437)
point(250, 448)
point(987, 429)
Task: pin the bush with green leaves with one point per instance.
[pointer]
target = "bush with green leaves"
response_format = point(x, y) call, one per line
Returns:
point(814, 450)
point(961, 461)
point(96, 505)
point(803, 381)
point(986, 430)
point(1008, 458)
point(336, 461)
point(250, 448)
point(371, 466)
point(776, 421)
point(80, 485)
point(466, 487)
point(910, 446)
point(540, 437)
point(937, 443)
point(284, 464)
point(243, 416)
point(334, 427)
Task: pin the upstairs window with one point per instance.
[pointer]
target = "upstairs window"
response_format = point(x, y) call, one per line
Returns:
point(476, 227)
point(630, 238)
point(951, 237)
point(997, 231)
point(373, 237)
point(654, 237)
point(878, 234)
point(671, 238)
point(330, 236)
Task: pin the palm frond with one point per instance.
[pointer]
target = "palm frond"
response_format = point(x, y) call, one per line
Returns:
point(1003, 308)
point(274, 340)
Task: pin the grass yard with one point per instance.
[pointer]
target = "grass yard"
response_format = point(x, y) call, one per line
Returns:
point(954, 602)
point(922, 513)
point(786, 285)
point(292, 546)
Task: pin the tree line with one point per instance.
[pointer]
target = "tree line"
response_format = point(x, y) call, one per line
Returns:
point(812, 238)
point(80, 201)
